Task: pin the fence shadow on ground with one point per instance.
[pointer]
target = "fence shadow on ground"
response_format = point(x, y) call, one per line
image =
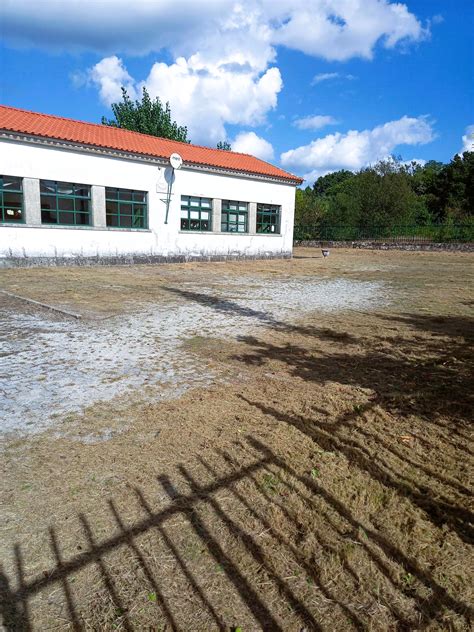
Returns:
point(436, 388)
point(427, 375)
point(427, 382)
point(388, 559)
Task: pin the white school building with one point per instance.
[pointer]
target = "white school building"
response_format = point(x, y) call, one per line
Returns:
point(76, 192)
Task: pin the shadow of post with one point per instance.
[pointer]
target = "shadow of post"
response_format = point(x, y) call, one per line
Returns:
point(16, 602)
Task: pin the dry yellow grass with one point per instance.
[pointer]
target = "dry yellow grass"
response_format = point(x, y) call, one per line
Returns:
point(325, 484)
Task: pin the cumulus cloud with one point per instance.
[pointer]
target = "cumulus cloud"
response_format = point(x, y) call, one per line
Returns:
point(356, 149)
point(341, 29)
point(332, 29)
point(204, 96)
point(468, 139)
point(314, 122)
point(250, 143)
point(110, 75)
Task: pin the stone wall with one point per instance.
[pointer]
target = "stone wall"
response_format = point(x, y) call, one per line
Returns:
point(384, 245)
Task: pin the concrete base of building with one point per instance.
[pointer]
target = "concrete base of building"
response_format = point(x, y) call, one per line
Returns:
point(128, 260)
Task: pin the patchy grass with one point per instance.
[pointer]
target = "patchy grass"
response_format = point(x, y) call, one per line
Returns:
point(324, 484)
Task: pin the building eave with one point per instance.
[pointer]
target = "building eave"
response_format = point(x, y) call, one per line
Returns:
point(138, 157)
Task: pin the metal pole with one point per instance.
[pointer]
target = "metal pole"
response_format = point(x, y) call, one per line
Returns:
point(168, 196)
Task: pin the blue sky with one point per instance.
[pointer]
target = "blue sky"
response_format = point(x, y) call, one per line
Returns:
point(312, 85)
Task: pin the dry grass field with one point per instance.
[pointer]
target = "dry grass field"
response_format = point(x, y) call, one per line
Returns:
point(278, 445)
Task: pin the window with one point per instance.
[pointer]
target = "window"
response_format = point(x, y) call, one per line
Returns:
point(234, 217)
point(65, 203)
point(11, 199)
point(268, 218)
point(126, 208)
point(196, 213)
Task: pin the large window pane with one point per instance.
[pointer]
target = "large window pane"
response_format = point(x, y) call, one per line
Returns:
point(125, 195)
point(66, 218)
point(111, 208)
point(126, 221)
point(11, 183)
point(234, 218)
point(82, 219)
point(49, 217)
point(11, 199)
point(268, 218)
point(113, 220)
point(48, 202)
point(111, 194)
point(65, 203)
point(65, 188)
point(139, 196)
point(126, 208)
point(81, 190)
point(47, 186)
point(196, 213)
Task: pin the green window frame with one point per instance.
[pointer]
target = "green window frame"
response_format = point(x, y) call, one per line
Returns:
point(234, 217)
point(11, 200)
point(268, 218)
point(126, 208)
point(65, 203)
point(196, 213)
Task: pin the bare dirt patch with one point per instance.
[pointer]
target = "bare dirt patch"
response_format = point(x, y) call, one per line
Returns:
point(322, 480)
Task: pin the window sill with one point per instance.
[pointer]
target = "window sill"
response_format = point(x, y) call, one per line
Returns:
point(66, 227)
point(226, 233)
point(117, 229)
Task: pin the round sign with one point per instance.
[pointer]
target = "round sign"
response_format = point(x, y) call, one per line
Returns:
point(176, 161)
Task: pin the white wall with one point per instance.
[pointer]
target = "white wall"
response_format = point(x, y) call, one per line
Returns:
point(34, 161)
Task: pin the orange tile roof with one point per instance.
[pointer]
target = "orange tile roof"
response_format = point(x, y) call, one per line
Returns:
point(48, 126)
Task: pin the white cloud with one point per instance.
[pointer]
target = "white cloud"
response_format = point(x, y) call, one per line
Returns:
point(324, 76)
point(356, 149)
point(250, 143)
point(314, 122)
point(203, 96)
point(223, 51)
point(341, 29)
point(468, 139)
point(331, 29)
point(328, 76)
point(110, 26)
point(110, 75)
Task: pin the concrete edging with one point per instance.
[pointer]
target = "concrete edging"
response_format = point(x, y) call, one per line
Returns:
point(31, 262)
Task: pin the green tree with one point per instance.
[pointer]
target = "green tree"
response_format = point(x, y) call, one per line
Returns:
point(308, 208)
point(146, 116)
point(374, 202)
point(325, 185)
point(392, 198)
point(454, 188)
point(223, 144)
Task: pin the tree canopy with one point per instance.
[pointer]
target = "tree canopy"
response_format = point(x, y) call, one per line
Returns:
point(147, 116)
point(390, 196)
point(223, 144)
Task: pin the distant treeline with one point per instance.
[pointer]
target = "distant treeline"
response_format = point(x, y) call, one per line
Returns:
point(389, 199)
